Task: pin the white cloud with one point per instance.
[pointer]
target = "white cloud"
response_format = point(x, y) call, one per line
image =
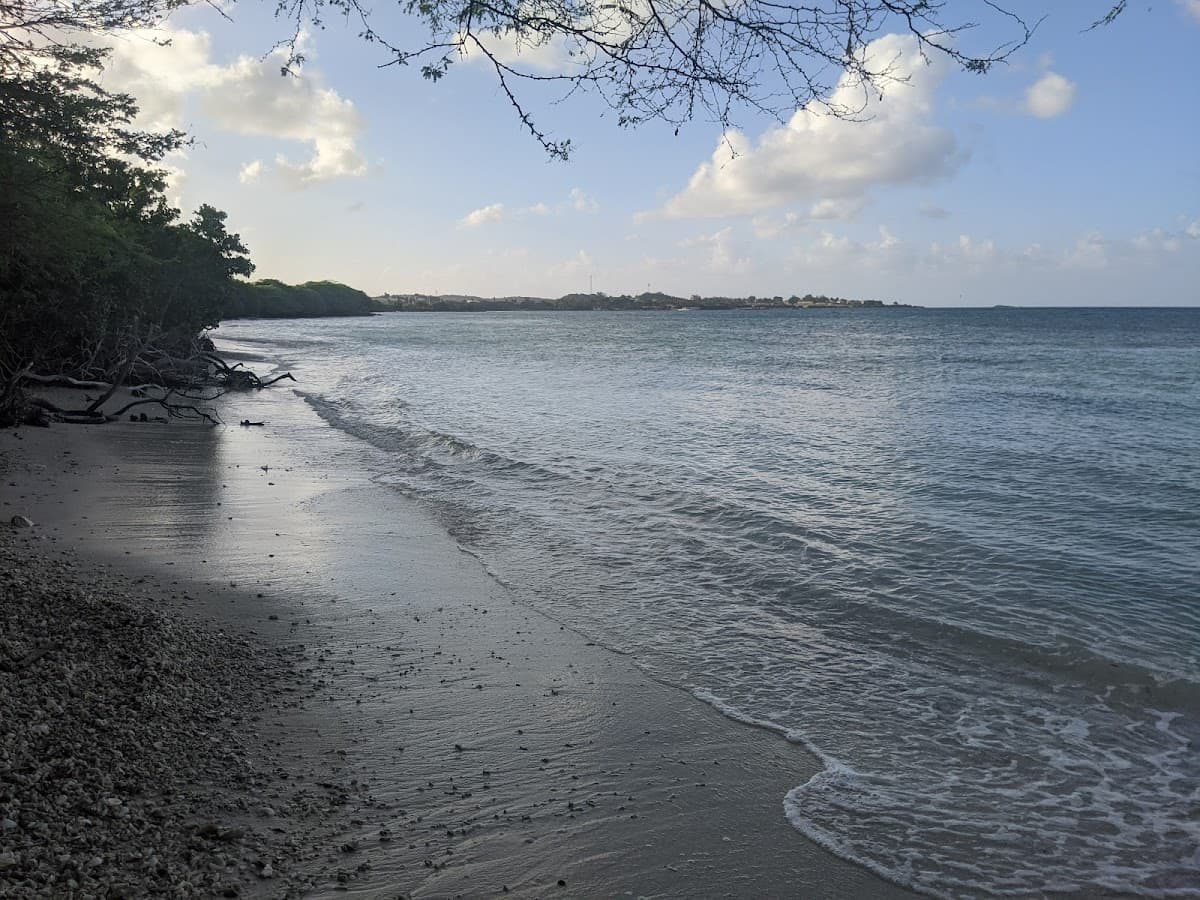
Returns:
point(835, 252)
point(544, 56)
point(248, 96)
point(176, 178)
point(1050, 96)
point(767, 227)
point(837, 208)
point(723, 255)
point(576, 266)
point(482, 216)
point(1193, 230)
point(965, 250)
point(578, 200)
point(1089, 252)
point(817, 157)
point(1191, 7)
point(250, 172)
point(1157, 240)
point(581, 202)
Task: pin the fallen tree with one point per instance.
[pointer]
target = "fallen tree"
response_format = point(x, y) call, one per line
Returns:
point(182, 388)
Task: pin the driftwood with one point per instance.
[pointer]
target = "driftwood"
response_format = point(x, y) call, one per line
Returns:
point(186, 386)
point(64, 381)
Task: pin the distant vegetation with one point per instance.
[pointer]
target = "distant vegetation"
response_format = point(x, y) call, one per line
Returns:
point(271, 299)
point(578, 302)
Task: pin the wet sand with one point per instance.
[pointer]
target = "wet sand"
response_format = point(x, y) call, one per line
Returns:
point(444, 739)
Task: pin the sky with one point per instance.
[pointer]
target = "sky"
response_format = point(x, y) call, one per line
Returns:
point(1068, 176)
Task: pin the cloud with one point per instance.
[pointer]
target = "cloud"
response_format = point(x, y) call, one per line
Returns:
point(722, 253)
point(1050, 96)
point(1193, 230)
point(830, 251)
point(578, 200)
point(837, 208)
point(247, 96)
point(966, 249)
point(529, 55)
point(250, 172)
point(581, 202)
point(483, 216)
point(767, 227)
point(1157, 240)
point(817, 158)
point(1191, 7)
point(930, 211)
point(1089, 252)
point(578, 265)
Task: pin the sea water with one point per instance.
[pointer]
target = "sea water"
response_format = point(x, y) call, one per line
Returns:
point(955, 553)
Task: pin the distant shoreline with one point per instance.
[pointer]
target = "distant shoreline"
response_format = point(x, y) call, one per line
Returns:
point(652, 301)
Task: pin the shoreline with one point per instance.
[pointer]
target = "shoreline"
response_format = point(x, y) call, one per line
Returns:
point(480, 745)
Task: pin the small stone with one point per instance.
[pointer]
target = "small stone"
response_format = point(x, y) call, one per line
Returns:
point(267, 871)
point(7, 824)
point(8, 859)
point(22, 522)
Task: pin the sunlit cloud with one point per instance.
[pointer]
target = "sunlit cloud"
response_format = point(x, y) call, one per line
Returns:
point(1050, 96)
point(250, 172)
point(167, 69)
point(829, 162)
point(484, 215)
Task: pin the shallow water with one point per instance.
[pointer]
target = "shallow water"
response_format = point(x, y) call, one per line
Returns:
point(954, 553)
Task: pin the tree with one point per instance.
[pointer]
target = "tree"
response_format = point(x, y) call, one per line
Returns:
point(32, 30)
point(99, 279)
point(674, 60)
point(669, 60)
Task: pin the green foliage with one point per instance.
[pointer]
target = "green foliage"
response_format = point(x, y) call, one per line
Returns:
point(271, 299)
point(95, 265)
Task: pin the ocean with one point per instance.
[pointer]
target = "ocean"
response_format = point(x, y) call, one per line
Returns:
point(954, 553)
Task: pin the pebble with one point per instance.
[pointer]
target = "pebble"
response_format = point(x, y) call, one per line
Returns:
point(128, 724)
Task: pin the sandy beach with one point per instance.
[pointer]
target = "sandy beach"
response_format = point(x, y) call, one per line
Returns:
point(354, 705)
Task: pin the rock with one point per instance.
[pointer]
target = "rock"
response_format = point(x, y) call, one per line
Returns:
point(8, 859)
point(21, 522)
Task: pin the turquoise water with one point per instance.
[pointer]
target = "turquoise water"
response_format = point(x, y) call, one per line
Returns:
point(955, 553)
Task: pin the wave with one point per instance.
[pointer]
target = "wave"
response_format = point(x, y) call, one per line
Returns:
point(992, 830)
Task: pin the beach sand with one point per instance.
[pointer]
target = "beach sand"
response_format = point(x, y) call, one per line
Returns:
point(409, 728)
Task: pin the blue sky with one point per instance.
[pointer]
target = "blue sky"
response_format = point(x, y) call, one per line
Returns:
point(1070, 176)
